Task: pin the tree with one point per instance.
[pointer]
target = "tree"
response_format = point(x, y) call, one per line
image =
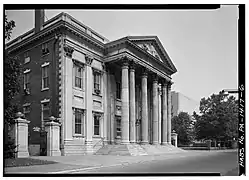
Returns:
point(182, 124)
point(218, 119)
point(12, 72)
point(9, 25)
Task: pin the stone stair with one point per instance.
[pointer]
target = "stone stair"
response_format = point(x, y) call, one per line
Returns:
point(136, 150)
point(104, 150)
point(169, 149)
point(151, 149)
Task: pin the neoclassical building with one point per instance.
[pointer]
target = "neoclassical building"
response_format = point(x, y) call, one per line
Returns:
point(102, 92)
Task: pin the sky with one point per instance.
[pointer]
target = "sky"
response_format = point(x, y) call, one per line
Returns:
point(202, 44)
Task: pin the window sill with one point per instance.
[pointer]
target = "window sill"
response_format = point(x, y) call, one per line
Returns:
point(78, 136)
point(79, 89)
point(100, 95)
point(43, 55)
point(26, 62)
point(96, 136)
point(44, 89)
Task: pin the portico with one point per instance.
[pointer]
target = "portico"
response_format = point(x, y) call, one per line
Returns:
point(145, 111)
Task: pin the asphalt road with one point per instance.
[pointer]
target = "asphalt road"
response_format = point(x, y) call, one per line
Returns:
point(225, 163)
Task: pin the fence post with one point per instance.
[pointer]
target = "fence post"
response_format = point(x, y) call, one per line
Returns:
point(21, 135)
point(53, 137)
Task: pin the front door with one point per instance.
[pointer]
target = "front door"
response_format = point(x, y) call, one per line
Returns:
point(118, 129)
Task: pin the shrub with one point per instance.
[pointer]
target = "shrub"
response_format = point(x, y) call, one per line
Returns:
point(10, 149)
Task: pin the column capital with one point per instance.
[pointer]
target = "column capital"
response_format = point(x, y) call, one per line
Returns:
point(144, 72)
point(89, 60)
point(132, 65)
point(159, 89)
point(169, 83)
point(164, 83)
point(68, 50)
point(155, 78)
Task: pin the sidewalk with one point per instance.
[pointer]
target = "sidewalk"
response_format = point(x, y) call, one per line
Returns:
point(66, 163)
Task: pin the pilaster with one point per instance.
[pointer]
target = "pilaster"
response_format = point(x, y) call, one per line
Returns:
point(89, 100)
point(68, 74)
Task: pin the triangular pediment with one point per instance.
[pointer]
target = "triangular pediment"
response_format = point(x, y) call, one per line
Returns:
point(153, 46)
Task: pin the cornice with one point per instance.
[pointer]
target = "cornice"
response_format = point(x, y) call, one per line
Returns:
point(49, 30)
point(146, 65)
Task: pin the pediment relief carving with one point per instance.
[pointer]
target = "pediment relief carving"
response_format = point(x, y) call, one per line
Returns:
point(150, 49)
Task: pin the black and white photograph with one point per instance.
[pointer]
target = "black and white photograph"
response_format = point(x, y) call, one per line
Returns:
point(130, 90)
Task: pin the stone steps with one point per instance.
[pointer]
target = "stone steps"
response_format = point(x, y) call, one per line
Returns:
point(136, 150)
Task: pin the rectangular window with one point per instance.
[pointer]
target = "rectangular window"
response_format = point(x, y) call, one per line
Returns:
point(27, 80)
point(118, 90)
point(45, 49)
point(96, 124)
point(78, 74)
point(26, 57)
point(26, 111)
point(45, 113)
point(118, 126)
point(78, 121)
point(97, 88)
point(45, 77)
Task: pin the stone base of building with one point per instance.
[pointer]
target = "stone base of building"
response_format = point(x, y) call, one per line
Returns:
point(134, 149)
point(54, 153)
point(22, 154)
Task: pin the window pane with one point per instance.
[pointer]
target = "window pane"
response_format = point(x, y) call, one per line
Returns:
point(78, 121)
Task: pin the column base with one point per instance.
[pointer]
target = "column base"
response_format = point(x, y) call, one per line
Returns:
point(125, 142)
point(89, 147)
point(54, 153)
point(155, 143)
point(144, 142)
point(22, 154)
point(164, 144)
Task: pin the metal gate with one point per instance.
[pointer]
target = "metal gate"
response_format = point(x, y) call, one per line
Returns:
point(43, 143)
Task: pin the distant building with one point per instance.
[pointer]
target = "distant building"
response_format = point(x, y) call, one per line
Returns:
point(182, 103)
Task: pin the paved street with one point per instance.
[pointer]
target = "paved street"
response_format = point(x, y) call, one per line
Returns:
point(223, 162)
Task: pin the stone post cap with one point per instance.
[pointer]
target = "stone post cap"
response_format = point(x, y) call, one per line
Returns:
point(174, 133)
point(52, 118)
point(20, 118)
point(52, 123)
point(19, 115)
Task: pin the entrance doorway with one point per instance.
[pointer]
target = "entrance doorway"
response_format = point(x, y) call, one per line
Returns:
point(118, 129)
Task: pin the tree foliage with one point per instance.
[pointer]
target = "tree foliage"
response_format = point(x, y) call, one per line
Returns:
point(218, 119)
point(12, 72)
point(9, 25)
point(183, 125)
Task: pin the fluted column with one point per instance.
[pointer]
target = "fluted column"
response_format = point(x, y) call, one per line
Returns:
point(125, 103)
point(159, 114)
point(169, 113)
point(144, 109)
point(164, 113)
point(155, 110)
point(132, 105)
